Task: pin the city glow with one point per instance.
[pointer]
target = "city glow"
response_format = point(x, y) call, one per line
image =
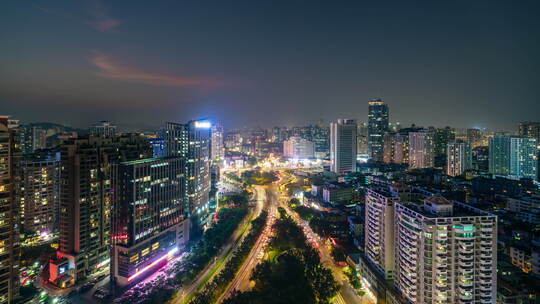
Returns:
point(203, 124)
point(170, 253)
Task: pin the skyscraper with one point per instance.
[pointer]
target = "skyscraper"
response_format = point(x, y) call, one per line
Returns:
point(499, 155)
point(193, 142)
point(299, 148)
point(343, 146)
point(86, 196)
point(9, 215)
point(441, 139)
point(389, 147)
point(459, 158)
point(446, 252)
point(147, 216)
point(421, 149)
point(377, 126)
point(530, 129)
point(379, 229)
point(39, 138)
point(217, 151)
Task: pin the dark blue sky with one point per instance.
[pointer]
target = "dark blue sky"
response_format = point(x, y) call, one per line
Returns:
point(140, 63)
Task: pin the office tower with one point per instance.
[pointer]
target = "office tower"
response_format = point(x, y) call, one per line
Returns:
point(377, 126)
point(441, 139)
point(421, 149)
point(499, 155)
point(217, 151)
point(459, 158)
point(523, 157)
point(103, 129)
point(321, 141)
point(192, 141)
point(86, 195)
point(158, 146)
point(379, 230)
point(530, 129)
point(445, 252)
point(298, 148)
point(9, 215)
point(343, 146)
point(39, 195)
point(362, 149)
point(148, 223)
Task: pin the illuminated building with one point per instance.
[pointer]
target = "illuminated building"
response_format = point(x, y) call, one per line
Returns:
point(442, 137)
point(379, 229)
point(471, 136)
point(9, 221)
point(39, 197)
point(298, 148)
point(377, 126)
point(421, 149)
point(446, 252)
point(39, 138)
point(530, 130)
point(158, 146)
point(513, 156)
point(148, 216)
point(389, 147)
point(193, 142)
point(103, 129)
point(85, 203)
point(401, 149)
point(459, 158)
point(319, 136)
point(362, 140)
point(217, 150)
point(343, 145)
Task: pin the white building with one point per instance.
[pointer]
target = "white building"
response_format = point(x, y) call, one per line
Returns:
point(379, 229)
point(343, 145)
point(445, 252)
point(217, 151)
point(459, 158)
point(421, 149)
point(299, 148)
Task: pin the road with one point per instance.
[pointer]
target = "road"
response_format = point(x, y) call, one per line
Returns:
point(346, 293)
point(187, 292)
point(241, 280)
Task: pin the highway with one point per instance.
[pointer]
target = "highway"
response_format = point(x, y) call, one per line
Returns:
point(186, 293)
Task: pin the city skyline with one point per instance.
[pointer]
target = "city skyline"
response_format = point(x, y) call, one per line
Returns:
point(459, 64)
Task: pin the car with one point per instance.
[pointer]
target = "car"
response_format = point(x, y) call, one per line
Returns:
point(86, 287)
point(101, 294)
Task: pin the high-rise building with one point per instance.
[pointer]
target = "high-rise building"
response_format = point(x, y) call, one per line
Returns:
point(480, 159)
point(377, 126)
point(217, 150)
point(103, 129)
point(9, 215)
point(343, 145)
point(515, 156)
point(39, 198)
point(319, 135)
point(86, 194)
point(530, 129)
point(401, 149)
point(459, 158)
point(193, 142)
point(421, 149)
point(389, 147)
point(362, 149)
point(379, 229)
point(148, 223)
point(158, 146)
point(298, 148)
point(445, 252)
point(441, 139)
point(39, 138)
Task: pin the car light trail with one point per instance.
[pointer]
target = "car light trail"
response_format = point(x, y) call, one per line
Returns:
point(154, 263)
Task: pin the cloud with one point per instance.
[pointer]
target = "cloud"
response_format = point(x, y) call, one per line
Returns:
point(100, 19)
point(111, 69)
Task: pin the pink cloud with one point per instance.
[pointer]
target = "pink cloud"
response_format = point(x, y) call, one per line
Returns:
point(111, 69)
point(101, 20)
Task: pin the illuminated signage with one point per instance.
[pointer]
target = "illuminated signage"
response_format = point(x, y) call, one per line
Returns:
point(154, 263)
point(203, 124)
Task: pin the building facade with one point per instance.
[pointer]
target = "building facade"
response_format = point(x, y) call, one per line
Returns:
point(148, 221)
point(514, 156)
point(298, 148)
point(459, 158)
point(9, 215)
point(445, 252)
point(377, 126)
point(103, 129)
point(86, 194)
point(217, 151)
point(421, 149)
point(343, 146)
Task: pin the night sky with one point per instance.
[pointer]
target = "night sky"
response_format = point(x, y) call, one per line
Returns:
point(246, 63)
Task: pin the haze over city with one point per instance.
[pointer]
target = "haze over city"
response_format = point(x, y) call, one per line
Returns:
point(138, 63)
